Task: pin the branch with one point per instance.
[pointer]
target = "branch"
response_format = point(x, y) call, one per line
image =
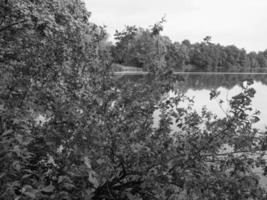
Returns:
point(13, 24)
point(234, 152)
point(2, 20)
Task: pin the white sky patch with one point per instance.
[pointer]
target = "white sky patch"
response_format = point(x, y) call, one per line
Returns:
point(238, 22)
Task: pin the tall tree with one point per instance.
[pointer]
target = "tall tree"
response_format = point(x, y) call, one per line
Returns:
point(50, 62)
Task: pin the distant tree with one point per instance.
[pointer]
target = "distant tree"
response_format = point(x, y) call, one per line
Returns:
point(121, 51)
point(140, 47)
point(254, 64)
point(176, 56)
point(262, 60)
point(207, 39)
point(186, 42)
point(158, 27)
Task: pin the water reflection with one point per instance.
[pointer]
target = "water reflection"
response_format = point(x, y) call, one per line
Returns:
point(209, 81)
point(199, 87)
point(201, 98)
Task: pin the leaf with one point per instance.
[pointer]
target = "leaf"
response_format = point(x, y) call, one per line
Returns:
point(16, 165)
point(26, 176)
point(100, 161)
point(256, 119)
point(132, 197)
point(92, 178)
point(68, 186)
point(87, 162)
point(7, 132)
point(48, 189)
point(29, 191)
point(2, 175)
point(31, 194)
point(61, 178)
point(17, 198)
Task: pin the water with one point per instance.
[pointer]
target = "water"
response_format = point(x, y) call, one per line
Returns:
point(259, 102)
point(198, 87)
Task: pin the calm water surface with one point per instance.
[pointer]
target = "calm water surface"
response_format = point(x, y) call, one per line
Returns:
point(259, 102)
point(198, 87)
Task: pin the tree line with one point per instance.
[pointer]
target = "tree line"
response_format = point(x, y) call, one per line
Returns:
point(134, 47)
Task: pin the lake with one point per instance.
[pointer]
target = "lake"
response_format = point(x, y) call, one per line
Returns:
point(198, 87)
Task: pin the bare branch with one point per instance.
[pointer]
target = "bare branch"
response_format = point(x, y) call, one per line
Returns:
point(13, 24)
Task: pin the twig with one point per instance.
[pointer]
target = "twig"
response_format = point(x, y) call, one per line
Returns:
point(13, 24)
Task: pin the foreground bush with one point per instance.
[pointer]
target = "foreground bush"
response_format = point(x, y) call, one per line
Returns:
point(69, 130)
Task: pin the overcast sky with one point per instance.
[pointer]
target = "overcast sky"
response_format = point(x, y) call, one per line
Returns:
point(239, 22)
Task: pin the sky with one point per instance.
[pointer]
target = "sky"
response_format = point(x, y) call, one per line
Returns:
point(242, 23)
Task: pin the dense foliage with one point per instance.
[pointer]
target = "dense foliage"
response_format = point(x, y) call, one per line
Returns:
point(70, 130)
point(50, 56)
point(135, 45)
point(143, 48)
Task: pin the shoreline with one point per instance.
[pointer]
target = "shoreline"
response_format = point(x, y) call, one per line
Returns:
point(196, 73)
